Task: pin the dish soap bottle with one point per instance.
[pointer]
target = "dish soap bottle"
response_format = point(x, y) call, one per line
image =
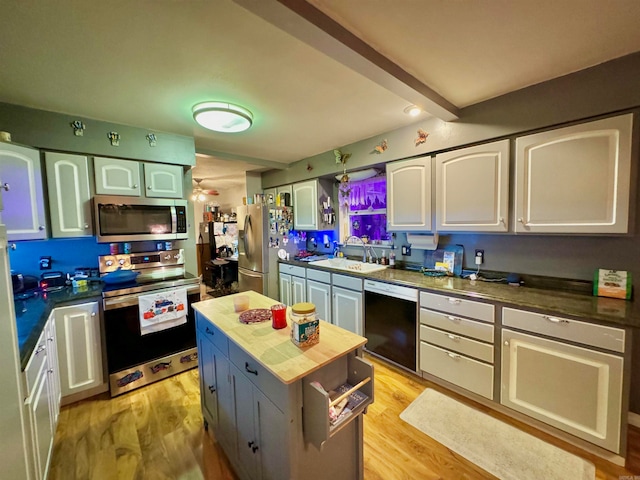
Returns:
point(383, 259)
point(392, 257)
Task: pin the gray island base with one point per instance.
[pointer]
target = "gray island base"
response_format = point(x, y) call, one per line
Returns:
point(267, 401)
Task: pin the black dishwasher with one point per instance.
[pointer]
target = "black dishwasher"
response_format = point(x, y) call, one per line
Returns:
point(391, 322)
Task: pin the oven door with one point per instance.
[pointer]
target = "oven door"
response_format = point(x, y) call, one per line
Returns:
point(133, 355)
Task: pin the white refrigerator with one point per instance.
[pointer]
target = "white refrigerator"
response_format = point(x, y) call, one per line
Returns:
point(14, 441)
point(253, 257)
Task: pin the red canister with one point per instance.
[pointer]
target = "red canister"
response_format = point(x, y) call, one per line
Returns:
point(278, 316)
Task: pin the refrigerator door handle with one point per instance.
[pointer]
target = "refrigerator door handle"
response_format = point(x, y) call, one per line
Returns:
point(247, 225)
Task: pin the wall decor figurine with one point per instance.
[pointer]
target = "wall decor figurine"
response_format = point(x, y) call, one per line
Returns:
point(341, 157)
point(422, 137)
point(78, 128)
point(381, 147)
point(114, 137)
point(151, 137)
point(309, 167)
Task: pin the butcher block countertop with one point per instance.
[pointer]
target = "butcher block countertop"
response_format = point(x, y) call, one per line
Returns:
point(274, 348)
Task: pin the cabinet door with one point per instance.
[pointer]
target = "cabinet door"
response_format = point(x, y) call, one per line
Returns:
point(21, 172)
point(54, 369)
point(162, 180)
point(271, 438)
point(472, 188)
point(347, 309)
point(409, 195)
point(574, 179)
point(285, 289)
point(40, 418)
point(298, 289)
point(320, 295)
point(69, 195)
point(79, 347)
point(247, 441)
point(572, 388)
point(305, 205)
point(117, 177)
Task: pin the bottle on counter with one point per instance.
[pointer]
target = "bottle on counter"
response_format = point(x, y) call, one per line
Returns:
point(383, 259)
point(392, 257)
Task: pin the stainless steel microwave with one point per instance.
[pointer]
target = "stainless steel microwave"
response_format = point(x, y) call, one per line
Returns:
point(130, 219)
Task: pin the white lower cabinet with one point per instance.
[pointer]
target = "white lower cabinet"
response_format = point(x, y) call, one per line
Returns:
point(80, 348)
point(574, 388)
point(293, 284)
point(319, 293)
point(456, 349)
point(347, 303)
point(42, 402)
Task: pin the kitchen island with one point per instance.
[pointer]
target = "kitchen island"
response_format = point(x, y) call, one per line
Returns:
point(267, 400)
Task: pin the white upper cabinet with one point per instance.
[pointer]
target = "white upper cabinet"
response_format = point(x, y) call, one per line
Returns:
point(409, 195)
point(308, 198)
point(117, 177)
point(21, 177)
point(69, 194)
point(163, 180)
point(472, 188)
point(574, 179)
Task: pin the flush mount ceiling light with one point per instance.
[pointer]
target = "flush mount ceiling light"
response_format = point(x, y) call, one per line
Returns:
point(413, 110)
point(222, 117)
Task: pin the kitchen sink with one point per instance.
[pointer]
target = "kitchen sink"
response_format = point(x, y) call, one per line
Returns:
point(348, 265)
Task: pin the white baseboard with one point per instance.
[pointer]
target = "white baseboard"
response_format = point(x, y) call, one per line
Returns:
point(633, 419)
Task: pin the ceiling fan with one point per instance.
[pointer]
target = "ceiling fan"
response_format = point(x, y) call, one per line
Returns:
point(199, 193)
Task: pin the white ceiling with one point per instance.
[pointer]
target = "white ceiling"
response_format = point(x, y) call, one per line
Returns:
point(146, 63)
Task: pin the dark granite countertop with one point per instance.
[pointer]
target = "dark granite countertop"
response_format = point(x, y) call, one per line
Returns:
point(32, 313)
point(615, 312)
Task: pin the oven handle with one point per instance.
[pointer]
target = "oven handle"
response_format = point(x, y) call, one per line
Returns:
point(131, 300)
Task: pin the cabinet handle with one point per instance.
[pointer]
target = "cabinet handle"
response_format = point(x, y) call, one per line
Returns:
point(50, 371)
point(524, 224)
point(554, 319)
point(210, 332)
point(501, 220)
point(93, 314)
point(453, 355)
point(6, 187)
point(40, 349)
point(135, 186)
point(86, 226)
point(246, 367)
point(40, 227)
point(50, 339)
point(506, 343)
point(212, 389)
point(452, 337)
point(452, 318)
point(454, 301)
point(253, 446)
point(149, 187)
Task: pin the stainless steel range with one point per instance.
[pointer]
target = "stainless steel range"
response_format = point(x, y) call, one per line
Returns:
point(149, 323)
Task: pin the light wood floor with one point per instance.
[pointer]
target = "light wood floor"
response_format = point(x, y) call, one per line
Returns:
point(156, 433)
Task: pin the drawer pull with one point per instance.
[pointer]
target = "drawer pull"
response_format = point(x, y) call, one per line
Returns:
point(554, 319)
point(452, 337)
point(209, 331)
point(212, 389)
point(454, 301)
point(452, 318)
point(246, 367)
point(253, 446)
point(453, 355)
point(40, 349)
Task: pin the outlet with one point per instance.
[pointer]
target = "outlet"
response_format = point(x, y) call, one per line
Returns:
point(406, 249)
point(45, 263)
point(479, 257)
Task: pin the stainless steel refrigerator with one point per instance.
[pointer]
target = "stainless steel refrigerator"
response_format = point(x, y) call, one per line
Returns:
point(253, 257)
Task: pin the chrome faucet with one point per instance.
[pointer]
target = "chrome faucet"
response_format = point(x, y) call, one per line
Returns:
point(372, 250)
point(364, 246)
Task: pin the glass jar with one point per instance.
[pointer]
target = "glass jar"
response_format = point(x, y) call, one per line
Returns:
point(305, 326)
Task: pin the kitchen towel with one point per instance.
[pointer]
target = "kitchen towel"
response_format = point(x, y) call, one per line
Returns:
point(162, 310)
point(499, 448)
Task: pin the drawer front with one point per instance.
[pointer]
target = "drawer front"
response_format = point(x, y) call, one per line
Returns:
point(273, 388)
point(345, 281)
point(456, 343)
point(213, 333)
point(36, 363)
point(292, 269)
point(318, 275)
point(458, 306)
point(465, 372)
point(600, 336)
point(463, 326)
